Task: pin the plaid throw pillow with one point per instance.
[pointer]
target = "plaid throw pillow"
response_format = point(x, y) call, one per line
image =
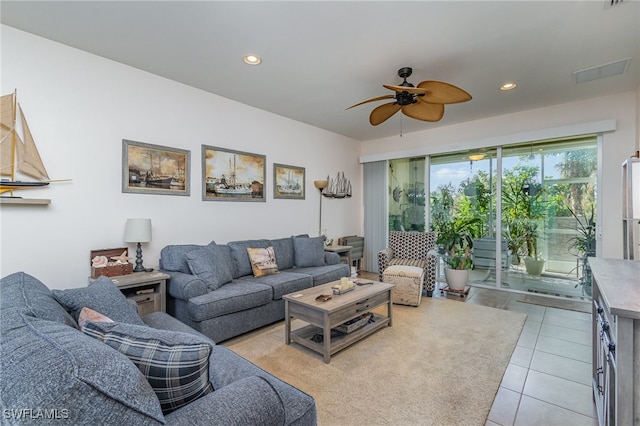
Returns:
point(177, 372)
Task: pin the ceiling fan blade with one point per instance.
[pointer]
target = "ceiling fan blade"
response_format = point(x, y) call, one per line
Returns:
point(379, 98)
point(439, 92)
point(412, 90)
point(424, 111)
point(381, 113)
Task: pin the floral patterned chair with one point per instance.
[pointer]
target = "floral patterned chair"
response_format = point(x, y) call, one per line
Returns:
point(411, 249)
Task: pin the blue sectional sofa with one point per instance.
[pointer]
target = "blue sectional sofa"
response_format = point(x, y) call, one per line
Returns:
point(213, 288)
point(55, 372)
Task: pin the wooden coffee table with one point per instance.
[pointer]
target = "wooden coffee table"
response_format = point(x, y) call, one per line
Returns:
point(323, 316)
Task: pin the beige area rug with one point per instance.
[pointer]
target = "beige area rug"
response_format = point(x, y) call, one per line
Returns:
point(572, 305)
point(439, 364)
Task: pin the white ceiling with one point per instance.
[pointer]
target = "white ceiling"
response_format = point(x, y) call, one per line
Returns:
point(319, 57)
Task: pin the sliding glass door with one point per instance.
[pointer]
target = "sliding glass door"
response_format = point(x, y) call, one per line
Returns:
point(547, 200)
point(462, 191)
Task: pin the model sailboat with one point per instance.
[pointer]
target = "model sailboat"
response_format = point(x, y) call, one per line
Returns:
point(18, 152)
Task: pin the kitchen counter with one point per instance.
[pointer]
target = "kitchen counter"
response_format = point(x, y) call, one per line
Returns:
point(619, 283)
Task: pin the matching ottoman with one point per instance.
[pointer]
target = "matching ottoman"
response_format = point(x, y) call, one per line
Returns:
point(408, 282)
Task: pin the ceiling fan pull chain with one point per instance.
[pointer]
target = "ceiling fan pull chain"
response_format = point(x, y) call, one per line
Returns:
point(400, 125)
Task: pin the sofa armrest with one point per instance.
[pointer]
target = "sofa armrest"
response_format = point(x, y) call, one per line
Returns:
point(185, 286)
point(331, 258)
point(248, 401)
point(384, 256)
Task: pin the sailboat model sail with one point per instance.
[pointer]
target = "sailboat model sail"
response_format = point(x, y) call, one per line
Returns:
point(18, 152)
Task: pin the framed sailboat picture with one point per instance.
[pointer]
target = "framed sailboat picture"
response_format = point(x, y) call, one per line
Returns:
point(229, 175)
point(288, 182)
point(155, 169)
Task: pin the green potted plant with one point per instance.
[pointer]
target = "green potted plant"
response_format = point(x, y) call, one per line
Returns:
point(585, 244)
point(533, 262)
point(457, 239)
point(514, 234)
point(524, 207)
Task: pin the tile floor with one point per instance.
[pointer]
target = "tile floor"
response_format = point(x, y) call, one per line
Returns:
point(548, 380)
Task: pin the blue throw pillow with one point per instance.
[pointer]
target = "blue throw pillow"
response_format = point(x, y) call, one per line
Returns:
point(103, 296)
point(204, 264)
point(175, 364)
point(309, 251)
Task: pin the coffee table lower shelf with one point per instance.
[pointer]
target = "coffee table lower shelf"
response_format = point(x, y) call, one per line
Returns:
point(303, 336)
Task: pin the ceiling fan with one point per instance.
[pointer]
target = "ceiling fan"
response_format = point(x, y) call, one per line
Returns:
point(425, 102)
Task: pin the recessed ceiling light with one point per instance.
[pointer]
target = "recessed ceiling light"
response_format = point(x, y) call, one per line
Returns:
point(251, 59)
point(508, 86)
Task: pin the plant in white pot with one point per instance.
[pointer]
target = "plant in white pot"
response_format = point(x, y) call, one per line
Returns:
point(457, 238)
point(534, 263)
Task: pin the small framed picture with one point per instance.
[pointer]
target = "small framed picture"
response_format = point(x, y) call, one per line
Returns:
point(155, 169)
point(288, 182)
point(229, 175)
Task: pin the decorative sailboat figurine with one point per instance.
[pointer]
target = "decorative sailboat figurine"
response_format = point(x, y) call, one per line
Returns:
point(18, 154)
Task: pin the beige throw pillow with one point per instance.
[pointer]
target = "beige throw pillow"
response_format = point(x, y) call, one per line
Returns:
point(263, 261)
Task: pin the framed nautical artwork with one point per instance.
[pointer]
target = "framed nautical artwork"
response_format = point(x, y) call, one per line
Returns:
point(288, 182)
point(229, 175)
point(155, 169)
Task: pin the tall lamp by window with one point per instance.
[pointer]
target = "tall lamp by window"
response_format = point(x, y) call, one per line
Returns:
point(320, 184)
point(138, 231)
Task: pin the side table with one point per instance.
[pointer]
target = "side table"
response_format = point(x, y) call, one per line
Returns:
point(343, 251)
point(148, 289)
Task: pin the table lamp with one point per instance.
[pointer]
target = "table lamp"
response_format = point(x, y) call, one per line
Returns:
point(138, 231)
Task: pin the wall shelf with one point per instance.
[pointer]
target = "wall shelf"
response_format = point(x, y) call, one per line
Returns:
point(25, 201)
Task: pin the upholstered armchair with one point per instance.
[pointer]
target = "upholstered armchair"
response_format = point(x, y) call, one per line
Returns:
point(411, 249)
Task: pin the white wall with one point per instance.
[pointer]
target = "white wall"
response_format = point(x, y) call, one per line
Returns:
point(554, 121)
point(81, 106)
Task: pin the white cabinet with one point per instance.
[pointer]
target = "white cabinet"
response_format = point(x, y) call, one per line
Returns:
point(616, 340)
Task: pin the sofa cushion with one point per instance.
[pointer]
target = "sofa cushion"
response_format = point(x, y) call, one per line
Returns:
point(326, 274)
point(204, 263)
point(236, 296)
point(26, 294)
point(224, 254)
point(263, 261)
point(176, 365)
point(283, 248)
point(172, 257)
point(309, 251)
point(103, 296)
point(282, 283)
point(300, 408)
point(241, 257)
point(50, 366)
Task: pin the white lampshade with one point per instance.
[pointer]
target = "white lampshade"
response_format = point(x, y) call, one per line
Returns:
point(137, 231)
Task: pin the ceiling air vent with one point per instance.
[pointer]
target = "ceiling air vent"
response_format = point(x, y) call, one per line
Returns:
point(601, 71)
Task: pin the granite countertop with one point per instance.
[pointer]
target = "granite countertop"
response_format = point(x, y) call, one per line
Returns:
point(619, 283)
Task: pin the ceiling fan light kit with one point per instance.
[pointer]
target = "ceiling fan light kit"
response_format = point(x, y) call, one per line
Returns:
point(424, 102)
